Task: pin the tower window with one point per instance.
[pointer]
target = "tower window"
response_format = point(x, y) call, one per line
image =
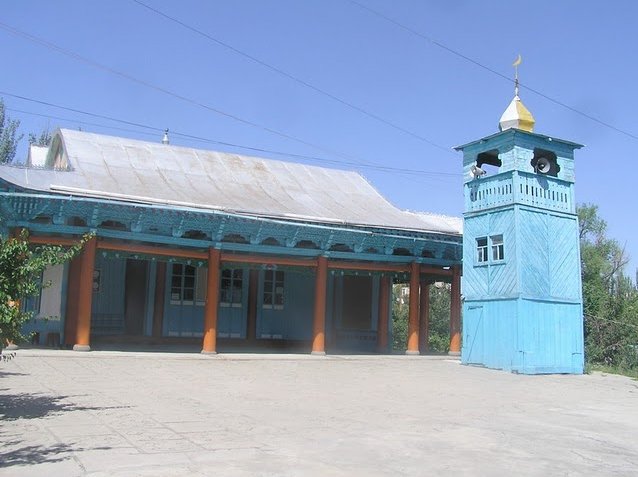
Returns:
point(481, 250)
point(498, 250)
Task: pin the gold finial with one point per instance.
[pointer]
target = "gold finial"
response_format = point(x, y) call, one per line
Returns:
point(517, 115)
point(518, 61)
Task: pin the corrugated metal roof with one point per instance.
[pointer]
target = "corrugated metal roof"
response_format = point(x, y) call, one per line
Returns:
point(138, 171)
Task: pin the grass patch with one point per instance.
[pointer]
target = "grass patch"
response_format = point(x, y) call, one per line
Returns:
point(629, 372)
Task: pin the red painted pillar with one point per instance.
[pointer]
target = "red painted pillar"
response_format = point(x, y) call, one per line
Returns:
point(413, 313)
point(455, 313)
point(319, 322)
point(85, 296)
point(209, 345)
point(384, 310)
point(424, 321)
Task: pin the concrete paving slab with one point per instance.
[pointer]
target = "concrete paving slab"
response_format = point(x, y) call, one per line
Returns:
point(118, 413)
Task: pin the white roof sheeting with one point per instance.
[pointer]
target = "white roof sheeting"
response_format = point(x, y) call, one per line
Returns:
point(144, 172)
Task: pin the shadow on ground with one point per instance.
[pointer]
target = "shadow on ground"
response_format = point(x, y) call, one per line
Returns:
point(34, 406)
point(30, 455)
point(15, 407)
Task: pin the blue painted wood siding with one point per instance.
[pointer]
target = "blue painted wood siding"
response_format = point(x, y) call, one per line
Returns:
point(184, 315)
point(292, 320)
point(519, 188)
point(107, 306)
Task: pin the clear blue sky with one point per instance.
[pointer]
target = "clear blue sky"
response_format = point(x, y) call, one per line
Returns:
point(580, 53)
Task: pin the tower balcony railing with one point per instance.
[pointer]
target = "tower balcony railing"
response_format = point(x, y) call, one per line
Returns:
point(519, 188)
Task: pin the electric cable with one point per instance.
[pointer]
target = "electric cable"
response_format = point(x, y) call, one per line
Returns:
point(208, 140)
point(491, 70)
point(292, 77)
point(181, 97)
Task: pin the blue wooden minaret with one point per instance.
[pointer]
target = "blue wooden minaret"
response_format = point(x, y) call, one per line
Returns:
point(521, 263)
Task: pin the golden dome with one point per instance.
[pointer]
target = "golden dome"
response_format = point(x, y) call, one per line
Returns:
point(517, 116)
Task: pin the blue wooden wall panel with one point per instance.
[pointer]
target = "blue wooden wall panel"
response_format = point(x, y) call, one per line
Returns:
point(564, 259)
point(489, 333)
point(475, 278)
point(524, 336)
point(294, 320)
point(107, 306)
point(502, 280)
point(534, 255)
point(550, 337)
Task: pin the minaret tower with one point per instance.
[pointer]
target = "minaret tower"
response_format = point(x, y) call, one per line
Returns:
point(521, 263)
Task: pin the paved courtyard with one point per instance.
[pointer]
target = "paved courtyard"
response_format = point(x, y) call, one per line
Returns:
point(110, 413)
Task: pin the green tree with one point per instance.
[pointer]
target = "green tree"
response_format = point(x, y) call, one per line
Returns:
point(610, 300)
point(9, 137)
point(21, 266)
point(439, 337)
point(44, 139)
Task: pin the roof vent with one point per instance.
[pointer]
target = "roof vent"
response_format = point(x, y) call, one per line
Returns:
point(165, 138)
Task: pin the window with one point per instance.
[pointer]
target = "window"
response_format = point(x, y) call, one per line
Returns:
point(274, 289)
point(32, 303)
point(231, 287)
point(201, 283)
point(182, 284)
point(481, 250)
point(498, 251)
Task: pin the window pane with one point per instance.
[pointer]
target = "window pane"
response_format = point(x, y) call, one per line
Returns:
point(202, 281)
point(237, 294)
point(481, 249)
point(497, 247)
point(189, 294)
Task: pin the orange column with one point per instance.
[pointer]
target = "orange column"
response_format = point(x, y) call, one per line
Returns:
point(319, 322)
point(424, 321)
point(455, 313)
point(413, 313)
point(212, 301)
point(384, 309)
point(85, 297)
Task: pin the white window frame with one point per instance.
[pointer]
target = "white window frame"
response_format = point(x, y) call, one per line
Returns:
point(498, 248)
point(482, 256)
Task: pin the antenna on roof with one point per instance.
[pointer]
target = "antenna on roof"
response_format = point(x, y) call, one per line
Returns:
point(165, 138)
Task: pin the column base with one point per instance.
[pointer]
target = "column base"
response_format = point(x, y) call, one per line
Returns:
point(412, 353)
point(454, 353)
point(208, 352)
point(318, 353)
point(79, 347)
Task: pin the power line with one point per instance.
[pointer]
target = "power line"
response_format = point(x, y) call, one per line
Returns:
point(208, 140)
point(181, 97)
point(491, 70)
point(296, 79)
